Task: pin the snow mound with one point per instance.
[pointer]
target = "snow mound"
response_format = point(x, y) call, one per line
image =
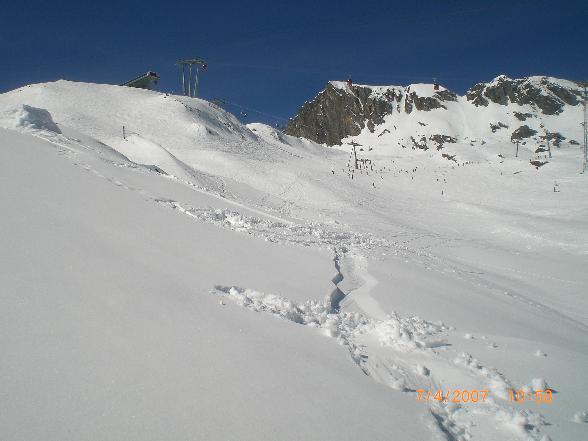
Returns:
point(28, 118)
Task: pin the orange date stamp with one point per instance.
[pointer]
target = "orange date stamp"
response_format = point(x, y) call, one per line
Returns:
point(453, 395)
point(481, 395)
point(538, 396)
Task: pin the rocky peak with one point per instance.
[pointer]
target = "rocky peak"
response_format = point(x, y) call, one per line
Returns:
point(549, 95)
point(427, 103)
point(503, 109)
point(340, 111)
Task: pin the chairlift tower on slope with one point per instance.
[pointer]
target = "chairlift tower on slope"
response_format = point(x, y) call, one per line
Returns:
point(354, 144)
point(191, 66)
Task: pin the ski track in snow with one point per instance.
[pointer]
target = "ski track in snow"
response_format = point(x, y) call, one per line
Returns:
point(302, 233)
point(402, 339)
point(402, 353)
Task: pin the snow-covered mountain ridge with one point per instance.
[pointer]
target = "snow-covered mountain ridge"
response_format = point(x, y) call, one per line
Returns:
point(533, 109)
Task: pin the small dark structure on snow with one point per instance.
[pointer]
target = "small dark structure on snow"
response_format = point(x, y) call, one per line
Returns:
point(146, 81)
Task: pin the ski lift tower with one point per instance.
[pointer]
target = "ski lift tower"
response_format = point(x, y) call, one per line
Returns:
point(190, 84)
point(354, 144)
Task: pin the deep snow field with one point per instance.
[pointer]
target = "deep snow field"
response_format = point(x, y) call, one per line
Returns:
point(206, 280)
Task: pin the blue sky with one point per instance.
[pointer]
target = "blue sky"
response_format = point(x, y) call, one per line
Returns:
point(270, 56)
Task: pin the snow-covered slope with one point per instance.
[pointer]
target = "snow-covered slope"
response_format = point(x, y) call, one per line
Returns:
point(187, 138)
point(109, 329)
point(202, 279)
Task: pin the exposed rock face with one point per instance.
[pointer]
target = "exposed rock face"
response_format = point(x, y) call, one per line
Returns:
point(555, 138)
point(422, 117)
point(420, 144)
point(335, 114)
point(547, 96)
point(522, 116)
point(523, 132)
point(338, 112)
point(476, 95)
point(442, 139)
point(427, 103)
point(498, 126)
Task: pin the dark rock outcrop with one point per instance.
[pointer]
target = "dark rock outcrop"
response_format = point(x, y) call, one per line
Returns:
point(537, 163)
point(341, 111)
point(554, 137)
point(427, 103)
point(336, 113)
point(476, 95)
point(442, 139)
point(523, 132)
point(498, 126)
point(522, 116)
point(420, 144)
point(542, 93)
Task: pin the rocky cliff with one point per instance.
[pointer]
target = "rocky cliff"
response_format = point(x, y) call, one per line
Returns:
point(422, 116)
